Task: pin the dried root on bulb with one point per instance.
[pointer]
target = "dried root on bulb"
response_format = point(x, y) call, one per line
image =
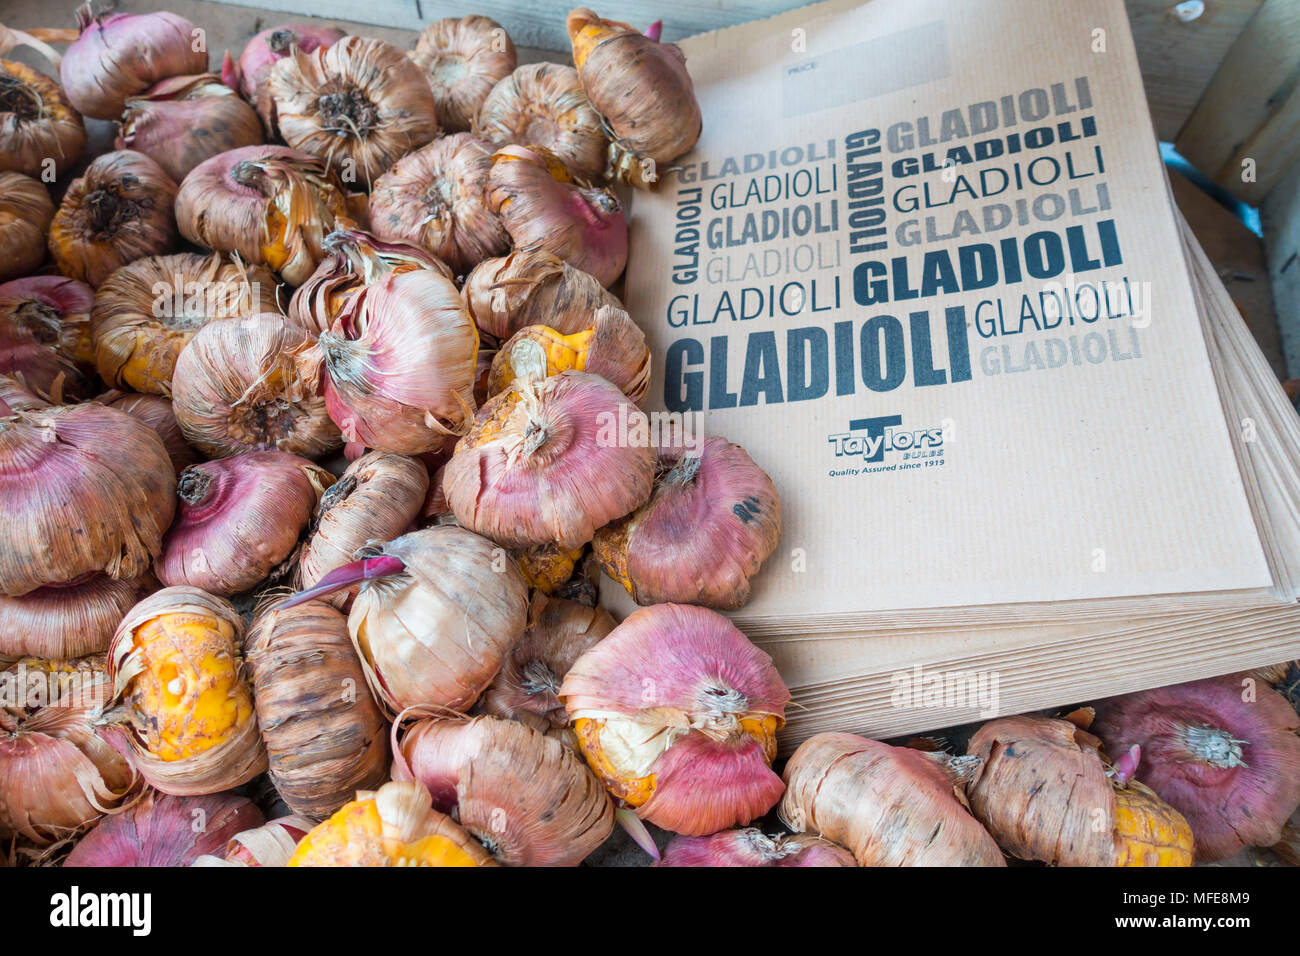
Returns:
point(677, 713)
point(56, 311)
point(544, 105)
point(536, 468)
point(270, 205)
point(146, 312)
point(527, 689)
point(1222, 751)
point(525, 796)
point(252, 384)
point(436, 198)
point(358, 104)
point(41, 124)
point(463, 59)
point(120, 210)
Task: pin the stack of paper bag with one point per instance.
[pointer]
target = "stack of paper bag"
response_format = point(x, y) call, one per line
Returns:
point(924, 266)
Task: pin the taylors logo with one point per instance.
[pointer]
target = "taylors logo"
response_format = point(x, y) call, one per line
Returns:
point(878, 440)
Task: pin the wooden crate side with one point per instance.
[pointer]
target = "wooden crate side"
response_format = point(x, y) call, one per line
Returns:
point(1239, 259)
point(1245, 133)
point(1280, 216)
point(540, 23)
point(1179, 58)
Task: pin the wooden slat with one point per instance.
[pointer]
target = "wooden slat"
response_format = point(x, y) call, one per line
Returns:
point(1251, 109)
point(1280, 215)
point(540, 23)
point(1179, 59)
point(1238, 257)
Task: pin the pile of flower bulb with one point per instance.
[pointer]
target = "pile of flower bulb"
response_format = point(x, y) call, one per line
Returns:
point(307, 504)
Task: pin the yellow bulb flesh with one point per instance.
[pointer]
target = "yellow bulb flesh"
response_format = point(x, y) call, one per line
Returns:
point(189, 696)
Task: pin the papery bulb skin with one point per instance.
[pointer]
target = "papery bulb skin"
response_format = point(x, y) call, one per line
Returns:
point(847, 789)
point(56, 310)
point(463, 59)
point(482, 366)
point(435, 509)
point(677, 713)
point(1047, 793)
point(642, 90)
point(238, 519)
point(58, 772)
point(62, 621)
point(270, 205)
point(539, 204)
point(323, 744)
point(175, 664)
point(159, 830)
point(399, 360)
point(1222, 751)
point(559, 632)
point(40, 124)
point(113, 465)
point(26, 212)
point(1287, 849)
point(156, 412)
point(532, 286)
point(611, 346)
point(146, 312)
point(271, 844)
point(251, 384)
point(40, 370)
point(267, 48)
point(436, 633)
point(122, 54)
point(538, 466)
point(355, 260)
point(555, 815)
point(17, 396)
point(712, 520)
point(358, 104)
point(395, 825)
point(751, 847)
point(378, 498)
point(120, 210)
point(185, 120)
point(544, 105)
point(436, 198)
